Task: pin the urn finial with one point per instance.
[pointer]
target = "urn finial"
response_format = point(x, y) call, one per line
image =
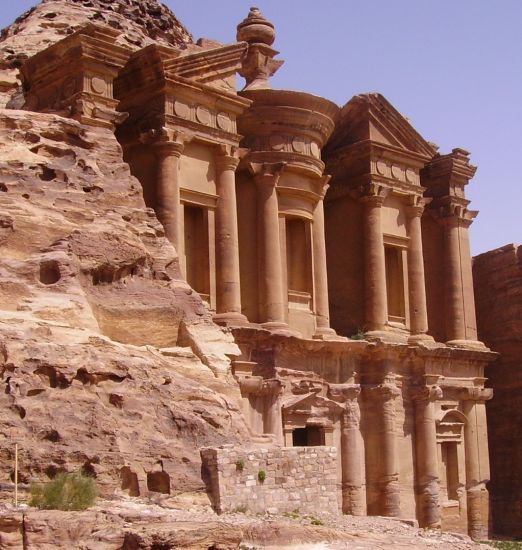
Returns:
point(256, 29)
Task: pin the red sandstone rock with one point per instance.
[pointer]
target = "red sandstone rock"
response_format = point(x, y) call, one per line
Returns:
point(498, 292)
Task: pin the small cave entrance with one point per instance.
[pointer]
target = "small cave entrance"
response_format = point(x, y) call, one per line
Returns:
point(310, 436)
point(158, 482)
point(129, 482)
point(49, 272)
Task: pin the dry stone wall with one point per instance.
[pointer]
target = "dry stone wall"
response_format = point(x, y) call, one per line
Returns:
point(273, 480)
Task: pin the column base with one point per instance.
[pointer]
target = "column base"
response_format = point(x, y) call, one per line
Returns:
point(420, 339)
point(231, 318)
point(385, 336)
point(326, 333)
point(470, 344)
point(279, 327)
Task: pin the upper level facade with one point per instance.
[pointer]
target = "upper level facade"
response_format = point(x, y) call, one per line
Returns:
point(287, 212)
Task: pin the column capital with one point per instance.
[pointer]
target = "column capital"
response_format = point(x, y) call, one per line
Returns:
point(416, 206)
point(453, 212)
point(373, 194)
point(272, 386)
point(344, 392)
point(475, 394)
point(249, 384)
point(426, 394)
point(226, 162)
point(165, 141)
point(382, 392)
point(266, 173)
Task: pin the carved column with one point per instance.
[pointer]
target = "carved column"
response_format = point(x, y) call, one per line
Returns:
point(455, 318)
point(461, 326)
point(477, 462)
point(272, 306)
point(353, 490)
point(385, 394)
point(168, 201)
point(426, 454)
point(322, 308)
point(273, 421)
point(376, 305)
point(227, 244)
point(416, 281)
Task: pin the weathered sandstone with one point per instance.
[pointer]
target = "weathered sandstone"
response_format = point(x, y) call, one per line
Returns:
point(498, 291)
point(145, 202)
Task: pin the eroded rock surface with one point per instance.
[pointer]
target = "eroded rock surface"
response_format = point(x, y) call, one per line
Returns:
point(109, 360)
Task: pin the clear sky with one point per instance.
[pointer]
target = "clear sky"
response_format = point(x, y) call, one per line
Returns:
point(453, 67)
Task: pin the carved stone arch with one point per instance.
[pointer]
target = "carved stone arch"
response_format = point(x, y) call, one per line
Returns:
point(453, 416)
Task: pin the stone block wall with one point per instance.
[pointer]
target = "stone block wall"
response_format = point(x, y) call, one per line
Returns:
point(498, 295)
point(296, 478)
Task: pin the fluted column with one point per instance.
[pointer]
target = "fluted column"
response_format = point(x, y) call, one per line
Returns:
point(416, 280)
point(376, 305)
point(272, 306)
point(168, 201)
point(322, 308)
point(385, 395)
point(353, 490)
point(428, 483)
point(228, 309)
point(477, 462)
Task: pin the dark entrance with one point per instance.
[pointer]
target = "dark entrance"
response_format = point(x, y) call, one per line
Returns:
point(311, 436)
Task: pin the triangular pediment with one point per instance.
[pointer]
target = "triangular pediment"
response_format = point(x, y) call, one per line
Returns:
point(371, 117)
point(309, 403)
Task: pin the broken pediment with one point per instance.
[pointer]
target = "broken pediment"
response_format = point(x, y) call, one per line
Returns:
point(371, 117)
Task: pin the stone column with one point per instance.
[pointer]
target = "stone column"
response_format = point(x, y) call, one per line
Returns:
point(455, 317)
point(376, 305)
point(477, 463)
point(353, 493)
point(426, 455)
point(322, 308)
point(273, 421)
point(168, 201)
point(228, 295)
point(385, 394)
point(416, 281)
point(270, 266)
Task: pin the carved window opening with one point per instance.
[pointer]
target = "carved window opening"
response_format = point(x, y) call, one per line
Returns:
point(450, 463)
point(299, 261)
point(310, 436)
point(197, 250)
point(394, 265)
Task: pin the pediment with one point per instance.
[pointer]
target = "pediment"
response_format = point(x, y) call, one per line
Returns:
point(309, 403)
point(214, 66)
point(371, 117)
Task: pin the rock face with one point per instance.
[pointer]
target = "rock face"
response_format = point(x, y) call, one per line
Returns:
point(141, 22)
point(108, 361)
point(498, 292)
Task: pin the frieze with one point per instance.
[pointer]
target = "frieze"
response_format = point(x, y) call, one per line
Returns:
point(395, 171)
point(287, 144)
point(201, 115)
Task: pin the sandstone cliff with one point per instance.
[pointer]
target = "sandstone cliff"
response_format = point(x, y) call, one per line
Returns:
point(108, 361)
point(498, 293)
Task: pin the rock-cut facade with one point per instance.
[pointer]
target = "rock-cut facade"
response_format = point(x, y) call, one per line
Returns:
point(332, 243)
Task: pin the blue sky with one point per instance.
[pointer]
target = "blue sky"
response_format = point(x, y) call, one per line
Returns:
point(452, 67)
